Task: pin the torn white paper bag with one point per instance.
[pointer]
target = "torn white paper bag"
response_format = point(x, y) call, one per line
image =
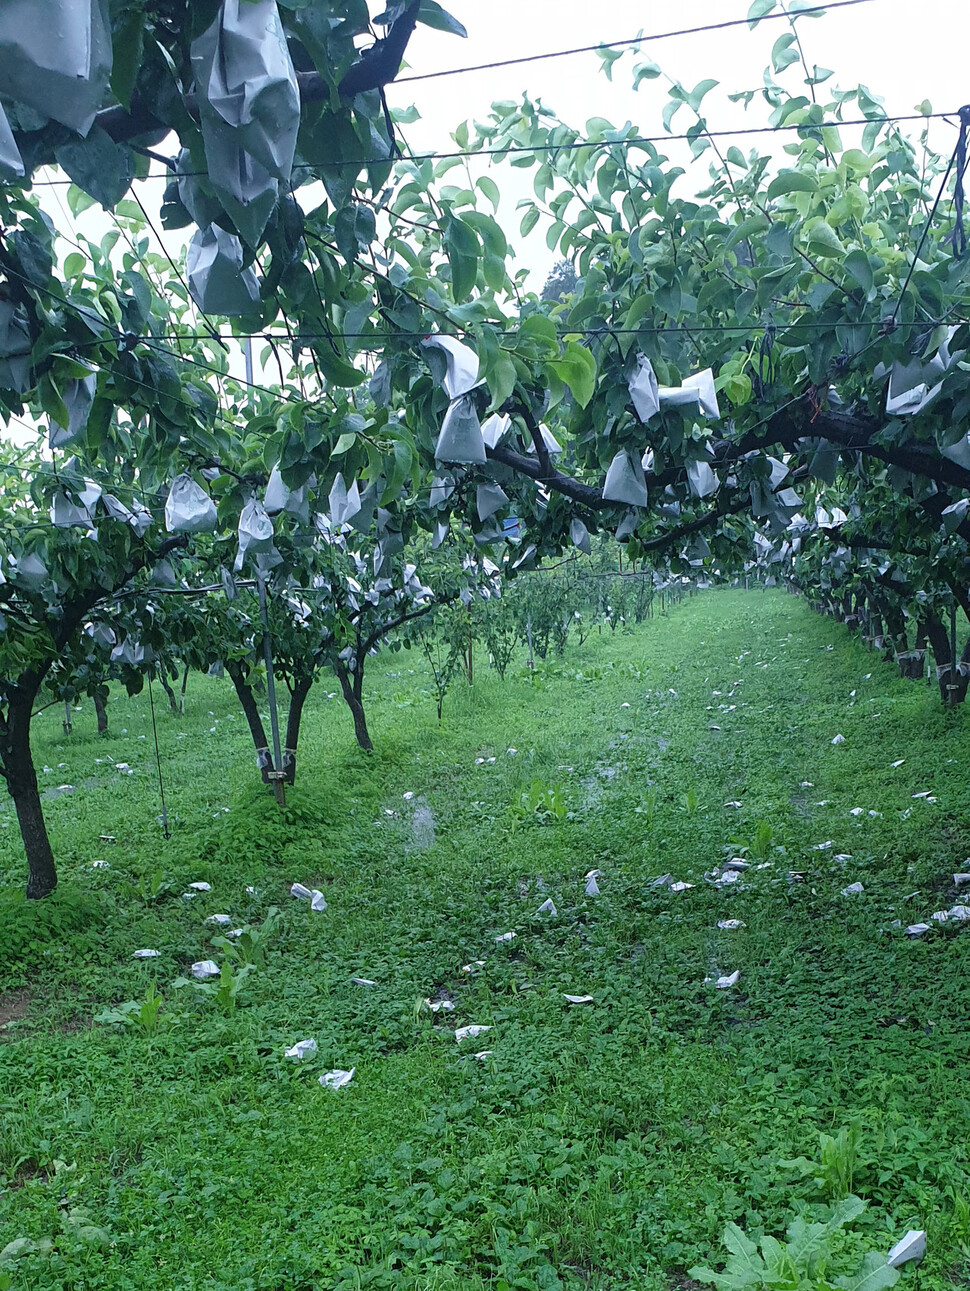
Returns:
point(453, 365)
point(470, 1032)
point(205, 968)
point(548, 907)
point(909, 1249)
point(300, 1050)
point(644, 390)
point(578, 999)
point(337, 1079)
point(592, 888)
point(146, 954)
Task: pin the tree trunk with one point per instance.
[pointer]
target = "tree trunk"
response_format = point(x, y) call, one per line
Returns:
point(166, 686)
point(18, 768)
point(353, 691)
point(185, 682)
point(101, 708)
point(952, 682)
point(264, 759)
point(298, 697)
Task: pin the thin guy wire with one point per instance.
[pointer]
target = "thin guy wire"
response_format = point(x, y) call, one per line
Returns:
point(634, 40)
point(573, 146)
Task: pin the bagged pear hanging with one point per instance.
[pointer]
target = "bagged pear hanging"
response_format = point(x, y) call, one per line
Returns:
point(189, 509)
point(255, 533)
point(217, 280)
point(249, 104)
point(56, 58)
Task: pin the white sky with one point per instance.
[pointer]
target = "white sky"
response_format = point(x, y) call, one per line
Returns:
point(900, 53)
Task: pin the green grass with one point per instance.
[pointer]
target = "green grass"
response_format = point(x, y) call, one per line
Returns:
point(601, 1145)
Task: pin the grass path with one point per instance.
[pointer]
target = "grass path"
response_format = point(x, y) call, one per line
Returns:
point(600, 1145)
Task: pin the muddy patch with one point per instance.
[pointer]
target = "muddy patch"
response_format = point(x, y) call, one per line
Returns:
point(14, 1007)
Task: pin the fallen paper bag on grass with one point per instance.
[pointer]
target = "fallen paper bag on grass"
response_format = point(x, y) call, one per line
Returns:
point(548, 907)
point(440, 1006)
point(909, 1249)
point(918, 929)
point(592, 888)
point(680, 886)
point(727, 980)
point(146, 954)
point(362, 981)
point(204, 968)
point(839, 739)
point(473, 966)
point(470, 1032)
point(578, 999)
point(313, 895)
point(300, 1050)
point(201, 887)
point(337, 1079)
point(854, 889)
point(221, 919)
point(506, 936)
point(731, 925)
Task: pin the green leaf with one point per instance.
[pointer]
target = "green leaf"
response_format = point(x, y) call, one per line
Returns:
point(74, 264)
point(858, 266)
point(697, 93)
point(874, 1275)
point(529, 220)
point(336, 369)
point(791, 181)
point(577, 368)
point(462, 249)
point(500, 378)
point(489, 187)
point(782, 54)
point(738, 389)
point(103, 168)
point(824, 241)
point(742, 1248)
point(671, 107)
point(736, 157)
point(645, 71)
point(432, 15)
point(609, 57)
point(758, 11)
point(127, 41)
point(539, 328)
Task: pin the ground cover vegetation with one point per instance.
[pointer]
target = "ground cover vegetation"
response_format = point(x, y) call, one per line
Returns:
point(155, 1132)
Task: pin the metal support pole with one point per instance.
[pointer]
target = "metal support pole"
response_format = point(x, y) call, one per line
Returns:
point(67, 724)
point(952, 688)
point(277, 774)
